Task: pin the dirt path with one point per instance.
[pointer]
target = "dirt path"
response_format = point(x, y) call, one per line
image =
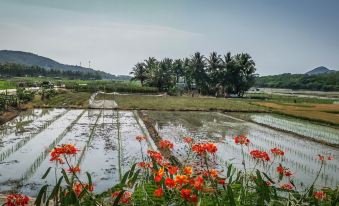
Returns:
point(101, 104)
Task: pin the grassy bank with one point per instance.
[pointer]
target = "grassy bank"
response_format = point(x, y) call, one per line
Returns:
point(182, 103)
point(65, 99)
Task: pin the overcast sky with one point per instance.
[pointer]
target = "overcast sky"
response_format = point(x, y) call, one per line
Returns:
point(281, 36)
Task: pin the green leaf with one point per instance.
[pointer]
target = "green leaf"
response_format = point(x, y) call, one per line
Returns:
point(229, 169)
point(123, 181)
point(66, 177)
point(268, 178)
point(38, 199)
point(89, 178)
point(132, 170)
point(46, 173)
point(56, 189)
point(231, 196)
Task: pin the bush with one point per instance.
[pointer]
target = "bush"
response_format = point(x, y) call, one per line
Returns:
point(25, 96)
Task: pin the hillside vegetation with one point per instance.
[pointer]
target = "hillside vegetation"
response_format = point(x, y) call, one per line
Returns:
point(321, 82)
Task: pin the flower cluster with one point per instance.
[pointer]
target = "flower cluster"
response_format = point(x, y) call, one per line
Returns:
point(166, 144)
point(16, 200)
point(140, 138)
point(65, 149)
point(319, 195)
point(284, 171)
point(241, 140)
point(203, 148)
point(323, 158)
point(277, 151)
point(78, 188)
point(260, 155)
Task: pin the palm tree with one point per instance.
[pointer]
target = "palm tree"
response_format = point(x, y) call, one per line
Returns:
point(246, 66)
point(214, 69)
point(139, 72)
point(178, 69)
point(197, 65)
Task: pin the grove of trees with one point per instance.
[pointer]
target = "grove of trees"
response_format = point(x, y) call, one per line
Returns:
point(17, 70)
point(213, 75)
point(322, 82)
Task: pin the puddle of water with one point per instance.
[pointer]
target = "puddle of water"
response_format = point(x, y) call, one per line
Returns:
point(206, 126)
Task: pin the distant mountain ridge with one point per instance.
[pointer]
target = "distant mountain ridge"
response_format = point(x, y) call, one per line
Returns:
point(319, 70)
point(30, 59)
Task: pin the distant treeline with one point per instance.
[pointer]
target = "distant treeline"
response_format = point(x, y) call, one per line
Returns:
point(17, 70)
point(321, 82)
point(213, 75)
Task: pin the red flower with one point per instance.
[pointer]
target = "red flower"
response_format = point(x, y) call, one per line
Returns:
point(321, 157)
point(221, 181)
point(170, 183)
point(172, 170)
point(158, 178)
point(211, 148)
point(186, 194)
point(241, 140)
point(284, 171)
point(75, 169)
point(194, 198)
point(16, 200)
point(166, 144)
point(159, 192)
point(319, 195)
point(188, 140)
point(125, 199)
point(157, 156)
point(140, 138)
point(261, 155)
point(78, 188)
point(144, 164)
point(330, 158)
point(198, 182)
point(287, 186)
point(277, 151)
point(202, 148)
point(65, 149)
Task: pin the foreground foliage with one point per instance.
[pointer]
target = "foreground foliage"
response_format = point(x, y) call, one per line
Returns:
point(200, 180)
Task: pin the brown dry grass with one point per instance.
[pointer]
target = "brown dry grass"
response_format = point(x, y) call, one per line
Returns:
point(328, 113)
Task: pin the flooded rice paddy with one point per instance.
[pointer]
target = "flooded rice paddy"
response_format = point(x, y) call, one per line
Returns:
point(106, 139)
point(300, 157)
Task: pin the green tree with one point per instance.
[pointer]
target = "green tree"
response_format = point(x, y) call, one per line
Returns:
point(197, 67)
point(139, 72)
point(215, 73)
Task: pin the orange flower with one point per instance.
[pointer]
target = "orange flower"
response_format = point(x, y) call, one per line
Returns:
point(277, 151)
point(319, 195)
point(280, 169)
point(159, 192)
point(166, 144)
point(287, 186)
point(260, 155)
point(241, 140)
point(16, 200)
point(188, 140)
point(172, 169)
point(75, 169)
point(125, 199)
point(140, 138)
point(170, 183)
point(185, 193)
point(188, 170)
point(181, 179)
point(213, 172)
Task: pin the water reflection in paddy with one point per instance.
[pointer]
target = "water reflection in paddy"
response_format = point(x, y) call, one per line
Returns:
point(300, 153)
